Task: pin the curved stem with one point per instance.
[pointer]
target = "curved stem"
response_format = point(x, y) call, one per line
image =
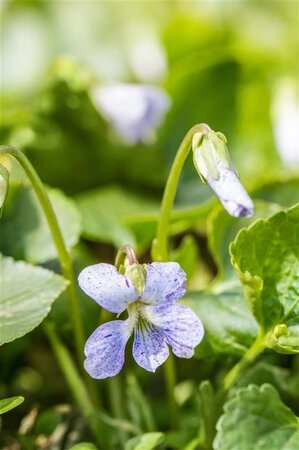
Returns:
point(63, 254)
point(125, 252)
point(160, 244)
point(257, 347)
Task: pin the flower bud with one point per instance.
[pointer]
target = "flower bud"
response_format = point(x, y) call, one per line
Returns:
point(212, 162)
point(136, 273)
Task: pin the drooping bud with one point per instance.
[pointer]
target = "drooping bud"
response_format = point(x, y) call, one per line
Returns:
point(213, 164)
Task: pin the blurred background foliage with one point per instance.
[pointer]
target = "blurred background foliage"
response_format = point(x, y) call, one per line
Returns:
point(232, 65)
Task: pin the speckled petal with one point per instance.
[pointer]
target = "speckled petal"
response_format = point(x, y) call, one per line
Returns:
point(149, 348)
point(105, 349)
point(180, 326)
point(104, 284)
point(165, 282)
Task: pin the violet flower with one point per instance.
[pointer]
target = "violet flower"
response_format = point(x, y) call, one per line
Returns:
point(149, 294)
point(213, 164)
point(133, 110)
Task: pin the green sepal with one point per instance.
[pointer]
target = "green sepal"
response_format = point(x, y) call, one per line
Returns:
point(136, 273)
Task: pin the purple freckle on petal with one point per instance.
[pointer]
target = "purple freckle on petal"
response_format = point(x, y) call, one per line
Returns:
point(127, 283)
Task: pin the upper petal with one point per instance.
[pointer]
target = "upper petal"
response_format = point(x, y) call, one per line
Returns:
point(179, 325)
point(231, 193)
point(107, 287)
point(165, 282)
point(149, 348)
point(105, 349)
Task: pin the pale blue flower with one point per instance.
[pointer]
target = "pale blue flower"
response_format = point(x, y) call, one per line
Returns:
point(154, 317)
point(133, 110)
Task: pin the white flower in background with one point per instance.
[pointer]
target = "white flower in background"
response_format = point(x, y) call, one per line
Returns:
point(212, 162)
point(147, 59)
point(285, 113)
point(134, 111)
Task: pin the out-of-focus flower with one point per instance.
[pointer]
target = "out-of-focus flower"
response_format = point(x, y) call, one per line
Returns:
point(212, 162)
point(149, 294)
point(285, 113)
point(134, 111)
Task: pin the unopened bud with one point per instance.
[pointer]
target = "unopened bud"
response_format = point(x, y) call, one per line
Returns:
point(213, 164)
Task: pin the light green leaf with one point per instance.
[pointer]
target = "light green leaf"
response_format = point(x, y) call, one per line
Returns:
point(6, 404)
point(147, 441)
point(83, 446)
point(223, 229)
point(27, 294)
point(266, 259)
point(256, 419)
point(285, 339)
point(229, 327)
point(23, 217)
point(105, 212)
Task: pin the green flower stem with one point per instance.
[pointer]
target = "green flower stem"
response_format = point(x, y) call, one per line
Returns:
point(160, 244)
point(170, 381)
point(63, 254)
point(232, 376)
point(116, 402)
point(75, 383)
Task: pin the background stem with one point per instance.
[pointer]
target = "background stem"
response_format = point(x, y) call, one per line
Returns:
point(63, 254)
point(74, 381)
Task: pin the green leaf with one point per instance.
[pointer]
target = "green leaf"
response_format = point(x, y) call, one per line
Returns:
point(266, 259)
point(222, 230)
point(229, 327)
point(282, 190)
point(6, 404)
point(84, 446)
point(105, 212)
point(27, 294)
point(186, 255)
point(256, 419)
point(24, 218)
point(147, 441)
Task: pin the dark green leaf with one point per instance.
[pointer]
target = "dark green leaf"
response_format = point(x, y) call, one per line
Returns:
point(256, 419)
point(24, 218)
point(223, 228)
point(229, 327)
point(266, 258)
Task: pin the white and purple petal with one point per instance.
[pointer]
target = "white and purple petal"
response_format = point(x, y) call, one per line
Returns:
point(105, 349)
point(149, 349)
point(165, 283)
point(179, 325)
point(104, 284)
point(133, 110)
point(230, 192)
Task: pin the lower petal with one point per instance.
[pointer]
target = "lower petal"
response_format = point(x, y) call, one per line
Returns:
point(105, 349)
point(149, 348)
point(180, 326)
